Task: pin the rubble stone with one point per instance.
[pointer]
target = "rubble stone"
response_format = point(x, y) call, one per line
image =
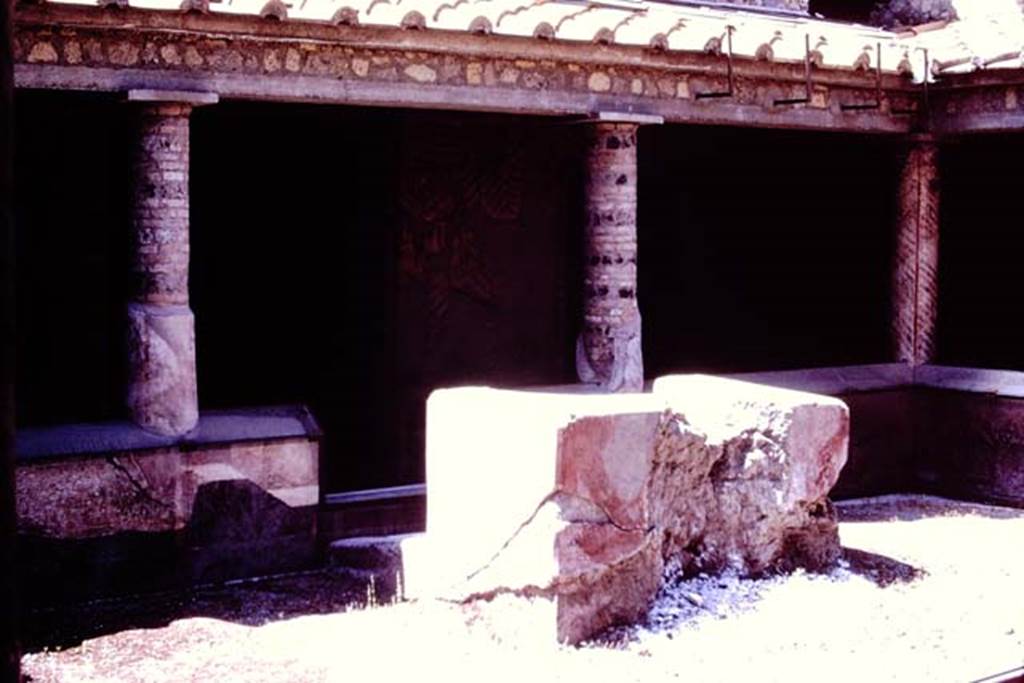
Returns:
point(742, 473)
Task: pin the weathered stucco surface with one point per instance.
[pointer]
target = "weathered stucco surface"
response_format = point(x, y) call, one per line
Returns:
point(154, 490)
point(148, 520)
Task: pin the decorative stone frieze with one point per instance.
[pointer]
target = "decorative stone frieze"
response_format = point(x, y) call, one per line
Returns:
point(335, 64)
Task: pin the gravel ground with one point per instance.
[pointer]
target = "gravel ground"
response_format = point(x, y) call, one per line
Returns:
point(929, 590)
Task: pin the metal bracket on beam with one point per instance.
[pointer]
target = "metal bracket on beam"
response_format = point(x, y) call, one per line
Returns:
point(808, 85)
point(194, 99)
point(626, 117)
point(927, 91)
point(732, 84)
point(877, 104)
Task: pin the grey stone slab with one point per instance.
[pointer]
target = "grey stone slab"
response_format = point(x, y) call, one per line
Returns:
point(1007, 383)
point(189, 97)
point(836, 380)
point(229, 426)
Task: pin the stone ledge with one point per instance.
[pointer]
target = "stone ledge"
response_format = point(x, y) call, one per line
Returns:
point(836, 380)
point(215, 427)
point(1007, 383)
point(953, 431)
point(191, 98)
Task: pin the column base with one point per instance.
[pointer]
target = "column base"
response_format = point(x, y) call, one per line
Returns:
point(624, 372)
point(162, 392)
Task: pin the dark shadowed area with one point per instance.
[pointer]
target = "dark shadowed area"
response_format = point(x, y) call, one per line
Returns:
point(764, 249)
point(72, 243)
point(354, 259)
point(980, 250)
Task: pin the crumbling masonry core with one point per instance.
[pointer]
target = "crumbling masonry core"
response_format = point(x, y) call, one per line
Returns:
point(587, 503)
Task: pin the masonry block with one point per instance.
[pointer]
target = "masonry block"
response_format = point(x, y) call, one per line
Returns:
point(583, 503)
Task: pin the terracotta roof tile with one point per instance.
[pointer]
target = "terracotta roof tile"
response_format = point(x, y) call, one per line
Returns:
point(989, 38)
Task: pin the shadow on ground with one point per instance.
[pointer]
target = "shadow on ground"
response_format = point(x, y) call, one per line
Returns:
point(257, 602)
point(329, 590)
point(250, 603)
point(881, 570)
point(906, 508)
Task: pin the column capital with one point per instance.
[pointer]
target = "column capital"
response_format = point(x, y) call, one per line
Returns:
point(182, 97)
point(626, 117)
point(616, 118)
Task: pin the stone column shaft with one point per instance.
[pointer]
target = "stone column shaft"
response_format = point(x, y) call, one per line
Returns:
point(162, 394)
point(915, 268)
point(608, 352)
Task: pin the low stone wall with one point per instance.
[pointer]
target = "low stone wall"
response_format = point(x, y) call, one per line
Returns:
point(581, 504)
point(881, 401)
point(114, 512)
point(956, 432)
point(970, 446)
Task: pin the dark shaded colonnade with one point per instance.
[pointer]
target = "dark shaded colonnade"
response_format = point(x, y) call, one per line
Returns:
point(465, 256)
point(461, 257)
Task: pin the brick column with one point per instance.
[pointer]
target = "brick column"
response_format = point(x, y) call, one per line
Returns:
point(608, 351)
point(915, 268)
point(162, 393)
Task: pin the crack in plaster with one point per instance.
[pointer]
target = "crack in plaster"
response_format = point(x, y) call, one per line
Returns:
point(555, 497)
point(143, 490)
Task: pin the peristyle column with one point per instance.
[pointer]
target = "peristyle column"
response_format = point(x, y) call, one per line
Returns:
point(915, 268)
point(608, 351)
point(162, 392)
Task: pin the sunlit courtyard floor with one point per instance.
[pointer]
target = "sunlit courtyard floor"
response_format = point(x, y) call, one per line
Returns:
point(929, 590)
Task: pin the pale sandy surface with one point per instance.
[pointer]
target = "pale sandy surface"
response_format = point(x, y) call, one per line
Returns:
point(930, 591)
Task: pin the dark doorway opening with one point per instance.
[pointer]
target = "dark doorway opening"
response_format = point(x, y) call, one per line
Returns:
point(764, 250)
point(980, 248)
point(353, 260)
point(72, 248)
